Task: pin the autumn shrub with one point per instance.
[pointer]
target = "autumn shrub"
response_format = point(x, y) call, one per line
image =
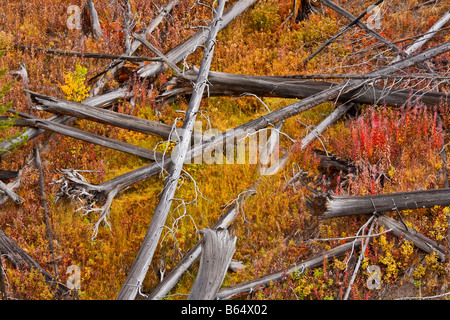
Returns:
point(74, 88)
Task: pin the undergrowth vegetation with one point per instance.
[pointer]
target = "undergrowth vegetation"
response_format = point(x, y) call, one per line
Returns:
point(274, 228)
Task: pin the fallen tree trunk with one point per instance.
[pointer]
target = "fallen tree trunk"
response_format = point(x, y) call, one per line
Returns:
point(412, 235)
point(91, 137)
point(339, 206)
point(21, 259)
point(227, 84)
point(248, 286)
point(217, 251)
point(10, 193)
point(84, 111)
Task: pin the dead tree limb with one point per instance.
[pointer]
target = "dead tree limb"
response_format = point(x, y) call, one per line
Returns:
point(91, 137)
point(10, 193)
point(412, 235)
point(337, 35)
point(339, 206)
point(249, 286)
point(144, 257)
point(85, 111)
point(21, 259)
point(351, 17)
point(426, 37)
point(96, 101)
point(335, 115)
point(227, 84)
point(157, 52)
point(217, 250)
point(185, 48)
point(93, 55)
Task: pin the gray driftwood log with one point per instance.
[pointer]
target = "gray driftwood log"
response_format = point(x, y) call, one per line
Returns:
point(227, 84)
point(327, 207)
point(217, 250)
point(90, 137)
point(84, 111)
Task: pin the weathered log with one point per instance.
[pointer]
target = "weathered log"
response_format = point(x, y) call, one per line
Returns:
point(217, 251)
point(144, 257)
point(248, 286)
point(21, 259)
point(145, 172)
point(84, 111)
point(92, 138)
point(339, 206)
point(37, 158)
point(185, 48)
point(31, 133)
point(227, 84)
point(412, 235)
point(11, 186)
